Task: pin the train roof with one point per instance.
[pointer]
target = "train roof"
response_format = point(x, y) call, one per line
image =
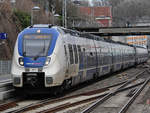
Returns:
point(41, 26)
point(81, 34)
point(91, 36)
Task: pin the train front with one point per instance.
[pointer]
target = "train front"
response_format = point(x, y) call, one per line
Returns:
point(34, 65)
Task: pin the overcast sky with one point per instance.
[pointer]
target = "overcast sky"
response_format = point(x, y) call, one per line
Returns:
point(90, 1)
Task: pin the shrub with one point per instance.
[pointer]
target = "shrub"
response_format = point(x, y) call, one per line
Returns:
point(23, 17)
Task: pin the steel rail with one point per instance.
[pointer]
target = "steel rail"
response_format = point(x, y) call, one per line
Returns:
point(100, 101)
point(50, 101)
point(126, 106)
point(4, 83)
point(68, 105)
point(10, 104)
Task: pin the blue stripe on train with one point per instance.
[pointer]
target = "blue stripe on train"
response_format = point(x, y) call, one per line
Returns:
point(77, 79)
point(105, 68)
point(29, 62)
point(89, 73)
point(82, 79)
point(118, 65)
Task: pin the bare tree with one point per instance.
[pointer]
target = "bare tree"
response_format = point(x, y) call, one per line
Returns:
point(24, 5)
point(8, 26)
point(128, 11)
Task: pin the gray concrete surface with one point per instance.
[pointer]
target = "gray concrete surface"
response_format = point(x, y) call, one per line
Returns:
point(5, 77)
point(6, 88)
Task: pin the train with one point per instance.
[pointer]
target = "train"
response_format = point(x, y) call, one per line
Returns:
point(51, 58)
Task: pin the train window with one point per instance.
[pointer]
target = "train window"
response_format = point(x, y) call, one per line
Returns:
point(90, 60)
point(79, 49)
point(80, 54)
point(84, 49)
point(71, 54)
point(91, 54)
point(76, 54)
point(65, 50)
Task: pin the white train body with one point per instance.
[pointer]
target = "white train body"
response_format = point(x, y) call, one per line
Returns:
point(47, 57)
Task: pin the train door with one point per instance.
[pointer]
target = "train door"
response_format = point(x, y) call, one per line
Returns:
point(67, 59)
point(122, 57)
point(84, 62)
point(135, 55)
point(100, 60)
point(109, 58)
point(113, 56)
point(71, 60)
point(76, 60)
point(96, 59)
point(81, 63)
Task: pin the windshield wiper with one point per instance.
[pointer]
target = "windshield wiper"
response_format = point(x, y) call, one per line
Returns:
point(24, 53)
point(38, 55)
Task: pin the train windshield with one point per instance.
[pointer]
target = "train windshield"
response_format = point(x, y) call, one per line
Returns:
point(36, 45)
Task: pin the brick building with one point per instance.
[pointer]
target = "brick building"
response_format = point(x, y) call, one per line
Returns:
point(102, 14)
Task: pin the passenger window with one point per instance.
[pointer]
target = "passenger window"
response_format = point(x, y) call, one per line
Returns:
point(83, 49)
point(79, 53)
point(76, 54)
point(79, 49)
point(91, 54)
point(71, 54)
point(65, 50)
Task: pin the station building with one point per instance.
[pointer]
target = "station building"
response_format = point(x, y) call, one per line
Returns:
point(98, 10)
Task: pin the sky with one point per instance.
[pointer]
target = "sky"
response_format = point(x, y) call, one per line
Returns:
point(90, 1)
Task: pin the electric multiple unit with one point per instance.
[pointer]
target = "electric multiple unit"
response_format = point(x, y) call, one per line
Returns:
point(52, 57)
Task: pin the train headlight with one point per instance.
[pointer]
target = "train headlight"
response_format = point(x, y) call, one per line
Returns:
point(21, 62)
point(47, 61)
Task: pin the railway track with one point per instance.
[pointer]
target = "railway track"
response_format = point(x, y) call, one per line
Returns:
point(44, 102)
point(59, 104)
point(134, 94)
point(6, 89)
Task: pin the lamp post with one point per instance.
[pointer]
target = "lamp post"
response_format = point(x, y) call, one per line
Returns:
point(35, 8)
point(64, 13)
point(56, 18)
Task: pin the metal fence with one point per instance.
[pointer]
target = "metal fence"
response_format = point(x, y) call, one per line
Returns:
point(5, 67)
